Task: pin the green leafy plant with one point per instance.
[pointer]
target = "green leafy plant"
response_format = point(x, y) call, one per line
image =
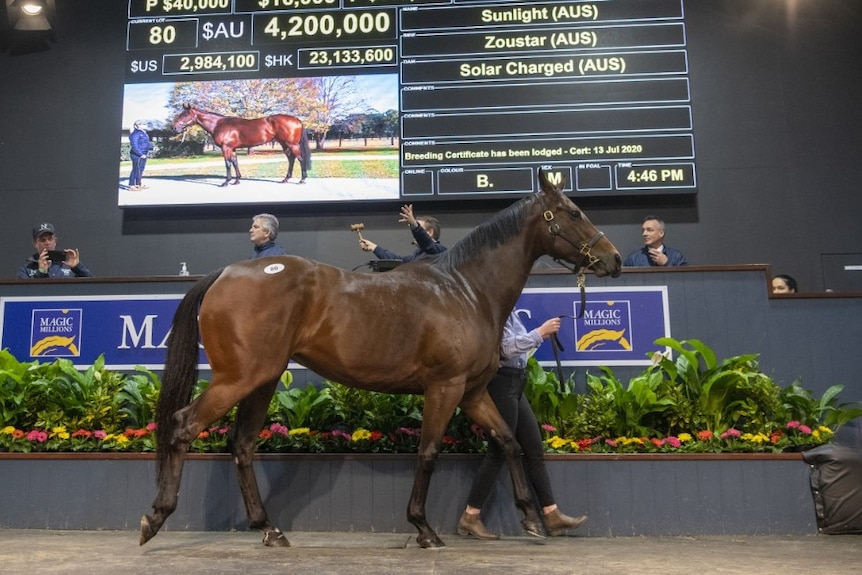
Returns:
point(692, 404)
point(636, 405)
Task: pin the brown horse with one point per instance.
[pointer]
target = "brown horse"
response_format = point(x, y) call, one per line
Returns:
point(432, 327)
point(231, 132)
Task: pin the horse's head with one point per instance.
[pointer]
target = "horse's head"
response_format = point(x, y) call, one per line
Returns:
point(571, 235)
point(185, 119)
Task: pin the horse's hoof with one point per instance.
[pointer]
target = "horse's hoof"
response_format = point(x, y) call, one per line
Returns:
point(223, 185)
point(147, 530)
point(430, 541)
point(301, 182)
point(234, 183)
point(275, 538)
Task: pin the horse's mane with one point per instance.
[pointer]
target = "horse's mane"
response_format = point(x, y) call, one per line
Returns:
point(487, 235)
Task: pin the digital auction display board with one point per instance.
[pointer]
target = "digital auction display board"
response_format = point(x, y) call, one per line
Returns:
point(597, 92)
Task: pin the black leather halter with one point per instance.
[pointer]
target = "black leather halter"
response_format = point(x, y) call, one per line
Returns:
point(586, 261)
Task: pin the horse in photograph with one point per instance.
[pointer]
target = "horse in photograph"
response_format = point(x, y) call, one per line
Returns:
point(231, 132)
point(429, 327)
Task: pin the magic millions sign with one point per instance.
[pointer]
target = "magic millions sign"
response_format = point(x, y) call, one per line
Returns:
point(618, 326)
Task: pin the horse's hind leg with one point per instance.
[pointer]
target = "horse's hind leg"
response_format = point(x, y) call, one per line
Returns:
point(250, 417)
point(170, 472)
point(294, 153)
point(290, 159)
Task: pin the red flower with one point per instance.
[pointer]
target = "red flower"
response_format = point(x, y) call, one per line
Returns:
point(705, 435)
point(449, 440)
point(585, 444)
point(264, 434)
point(376, 435)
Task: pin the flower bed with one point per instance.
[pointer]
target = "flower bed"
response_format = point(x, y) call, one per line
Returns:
point(694, 404)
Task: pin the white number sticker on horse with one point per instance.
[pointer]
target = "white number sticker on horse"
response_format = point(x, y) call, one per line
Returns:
point(273, 269)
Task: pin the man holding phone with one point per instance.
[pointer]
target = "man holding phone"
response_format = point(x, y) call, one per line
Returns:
point(48, 261)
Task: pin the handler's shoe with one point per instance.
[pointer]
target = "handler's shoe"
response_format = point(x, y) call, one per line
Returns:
point(472, 525)
point(556, 522)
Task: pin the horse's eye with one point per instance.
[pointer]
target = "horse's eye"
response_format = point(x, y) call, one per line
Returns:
point(576, 214)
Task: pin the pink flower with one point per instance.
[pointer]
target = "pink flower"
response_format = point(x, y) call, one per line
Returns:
point(792, 424)
point(805, 429)
point(732, 432)
point(100, 434)
point(279, 429)
point(673, 441)
point(611, 442)
point(37, 436)
point(151, 427)
point(477, 430)
point(549, 428)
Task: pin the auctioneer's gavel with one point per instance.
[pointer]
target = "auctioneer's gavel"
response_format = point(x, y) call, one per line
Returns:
point(358, 229)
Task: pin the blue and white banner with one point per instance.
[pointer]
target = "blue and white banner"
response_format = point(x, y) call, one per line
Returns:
point(618, 326)
point(128, 330)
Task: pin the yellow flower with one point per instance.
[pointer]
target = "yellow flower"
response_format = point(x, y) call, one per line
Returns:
point(360, 434)
point(121, 439)
point(8, 430)
point(755, 437)
point(299, 431)
point(557, 442)
point(683, 437)
point(60, 432)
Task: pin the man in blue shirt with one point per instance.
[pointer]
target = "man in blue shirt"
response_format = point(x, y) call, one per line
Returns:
point(263, 231)
point(654, 252)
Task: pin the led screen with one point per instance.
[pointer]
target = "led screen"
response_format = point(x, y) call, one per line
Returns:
point(385, 100)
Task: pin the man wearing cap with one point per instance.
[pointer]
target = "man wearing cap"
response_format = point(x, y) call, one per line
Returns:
point(139, 147)
point(48, 262)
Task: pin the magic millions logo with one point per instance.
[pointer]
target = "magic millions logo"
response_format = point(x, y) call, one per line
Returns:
point(605, 326)
point(56, 333)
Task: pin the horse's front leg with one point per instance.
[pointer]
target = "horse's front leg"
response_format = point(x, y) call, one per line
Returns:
point(231, 165)
point(170, 471)
point(250, 417)
point(485, 413)
point(436, 414)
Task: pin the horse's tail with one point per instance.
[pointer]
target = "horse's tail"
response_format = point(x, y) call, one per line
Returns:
point(305, 149)
point(181, 366)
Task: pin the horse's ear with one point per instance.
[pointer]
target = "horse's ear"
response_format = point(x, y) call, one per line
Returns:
point(547, 185)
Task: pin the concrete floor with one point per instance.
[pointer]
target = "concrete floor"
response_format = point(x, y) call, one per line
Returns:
point(323, 553)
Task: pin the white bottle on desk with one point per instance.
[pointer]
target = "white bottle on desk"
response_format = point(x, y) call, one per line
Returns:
point(184, 271)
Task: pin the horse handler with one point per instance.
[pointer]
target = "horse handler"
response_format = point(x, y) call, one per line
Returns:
point(507, 391)
point(139, 147)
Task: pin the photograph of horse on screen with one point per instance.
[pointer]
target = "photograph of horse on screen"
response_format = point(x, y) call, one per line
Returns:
point(262, 141)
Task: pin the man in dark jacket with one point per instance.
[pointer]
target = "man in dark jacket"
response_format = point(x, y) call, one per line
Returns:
point(654, 252)
point(48, 262)
point(426, 236)
point(263, 231)
point(139, 147)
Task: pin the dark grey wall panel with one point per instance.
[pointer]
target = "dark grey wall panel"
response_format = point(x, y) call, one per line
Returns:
point(626, 496)
point(774, 103)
